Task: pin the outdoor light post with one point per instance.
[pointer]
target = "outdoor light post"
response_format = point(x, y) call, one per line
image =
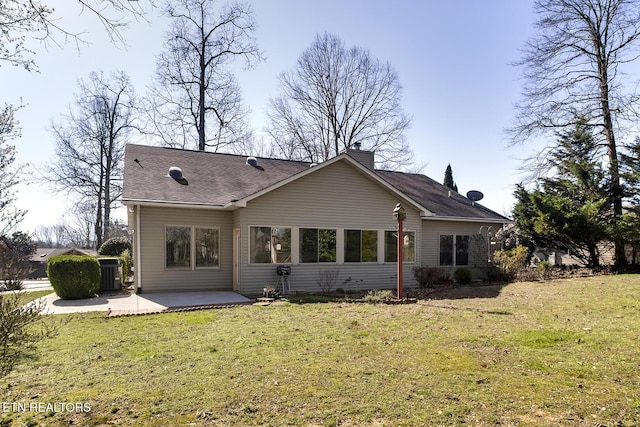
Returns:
point(400, 215)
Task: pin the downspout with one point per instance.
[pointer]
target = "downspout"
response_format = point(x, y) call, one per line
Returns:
point(138, 262)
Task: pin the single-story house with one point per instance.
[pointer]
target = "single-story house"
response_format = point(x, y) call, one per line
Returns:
point(211, 221)
point(40, 258)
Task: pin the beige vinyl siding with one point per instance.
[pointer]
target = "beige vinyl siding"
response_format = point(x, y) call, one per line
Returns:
point(433, 229)
point(155, 277)
point(339, 197)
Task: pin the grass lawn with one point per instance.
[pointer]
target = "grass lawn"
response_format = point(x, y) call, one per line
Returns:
point(26, 297)
point(529, 354)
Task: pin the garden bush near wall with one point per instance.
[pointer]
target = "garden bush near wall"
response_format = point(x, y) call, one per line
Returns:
point(511, 262)
point(74, 276)
point(429, 276)
point(127, 262)
point(462, 276)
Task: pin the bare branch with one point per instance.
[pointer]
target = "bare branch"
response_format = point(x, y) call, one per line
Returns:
point(195, 97)
point(90, 146)
point(335, 98)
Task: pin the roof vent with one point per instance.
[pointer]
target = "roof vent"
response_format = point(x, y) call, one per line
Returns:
point(252, 161)
point(176, 173)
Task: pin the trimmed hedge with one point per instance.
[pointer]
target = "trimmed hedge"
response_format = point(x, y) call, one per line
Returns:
point(115, 246)
point(74, 276)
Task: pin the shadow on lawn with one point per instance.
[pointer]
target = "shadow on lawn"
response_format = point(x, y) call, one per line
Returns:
point(421, 294)
point(457, 292)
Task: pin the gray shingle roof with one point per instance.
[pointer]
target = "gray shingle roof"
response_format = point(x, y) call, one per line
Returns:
point(436, 197)
point(219, 179)
point(214, 179)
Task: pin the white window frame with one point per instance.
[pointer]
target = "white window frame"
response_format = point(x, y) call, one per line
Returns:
point(344, 244)
point(415, 246)
point(195, 250)
point(192, 247)
point(338, 241)
point(180, 268)
point(454, 255)
point(291, 243)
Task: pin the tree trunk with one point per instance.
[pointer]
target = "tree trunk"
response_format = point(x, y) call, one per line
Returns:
point(201, 97)
point(612, 151)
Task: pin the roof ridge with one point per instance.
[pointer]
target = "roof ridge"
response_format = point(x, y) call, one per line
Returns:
point(189, 150)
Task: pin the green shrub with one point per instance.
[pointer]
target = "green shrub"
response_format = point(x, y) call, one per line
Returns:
point(544, 270)
point(511, 261)
point(74, 276)
point(127, 262)
point(429, 276)
point(378, 296)
point(462, 276)
point(18, 331)
point(115, 246)
point(496, 275)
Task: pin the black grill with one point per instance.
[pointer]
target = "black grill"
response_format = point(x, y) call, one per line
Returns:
point(283, 270)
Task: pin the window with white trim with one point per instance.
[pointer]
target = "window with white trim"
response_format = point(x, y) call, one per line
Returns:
point(207, 247)
point(317, 245)
point(191, 247)
point(454, 250)
point(178, 247)
point(391, 246)
point(270, 245)
point(360, 245)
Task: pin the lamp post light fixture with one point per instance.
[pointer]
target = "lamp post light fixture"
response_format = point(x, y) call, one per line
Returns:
point(399, 214)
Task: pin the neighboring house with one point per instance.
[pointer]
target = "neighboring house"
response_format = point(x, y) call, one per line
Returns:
point(225, 222)
point(40, 258)
point(606, 252)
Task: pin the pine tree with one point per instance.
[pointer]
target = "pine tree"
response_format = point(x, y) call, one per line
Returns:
point(448, 179)
point(569, 210)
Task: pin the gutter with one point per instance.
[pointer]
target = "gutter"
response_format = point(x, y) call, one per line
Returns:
point(161, 204)
point(468, 219)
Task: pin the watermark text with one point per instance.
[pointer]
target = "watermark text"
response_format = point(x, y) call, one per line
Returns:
point(45, 407)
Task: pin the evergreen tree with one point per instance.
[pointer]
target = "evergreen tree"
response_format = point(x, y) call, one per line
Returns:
point(570, 209)
point(448, 179)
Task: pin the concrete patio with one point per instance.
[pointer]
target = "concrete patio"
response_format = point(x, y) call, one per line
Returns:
point(128, 303)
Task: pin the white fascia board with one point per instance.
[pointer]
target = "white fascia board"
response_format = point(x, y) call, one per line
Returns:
point(163, 204)
point(465, 219)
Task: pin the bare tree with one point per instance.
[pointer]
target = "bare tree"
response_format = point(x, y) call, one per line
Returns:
point(90, 146)
point(573, 71)
point(10, 216)
point(21, 20)
point(195, 96)
point(337, 97)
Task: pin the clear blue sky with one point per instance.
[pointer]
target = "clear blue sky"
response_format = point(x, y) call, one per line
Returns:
point(452, 58)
